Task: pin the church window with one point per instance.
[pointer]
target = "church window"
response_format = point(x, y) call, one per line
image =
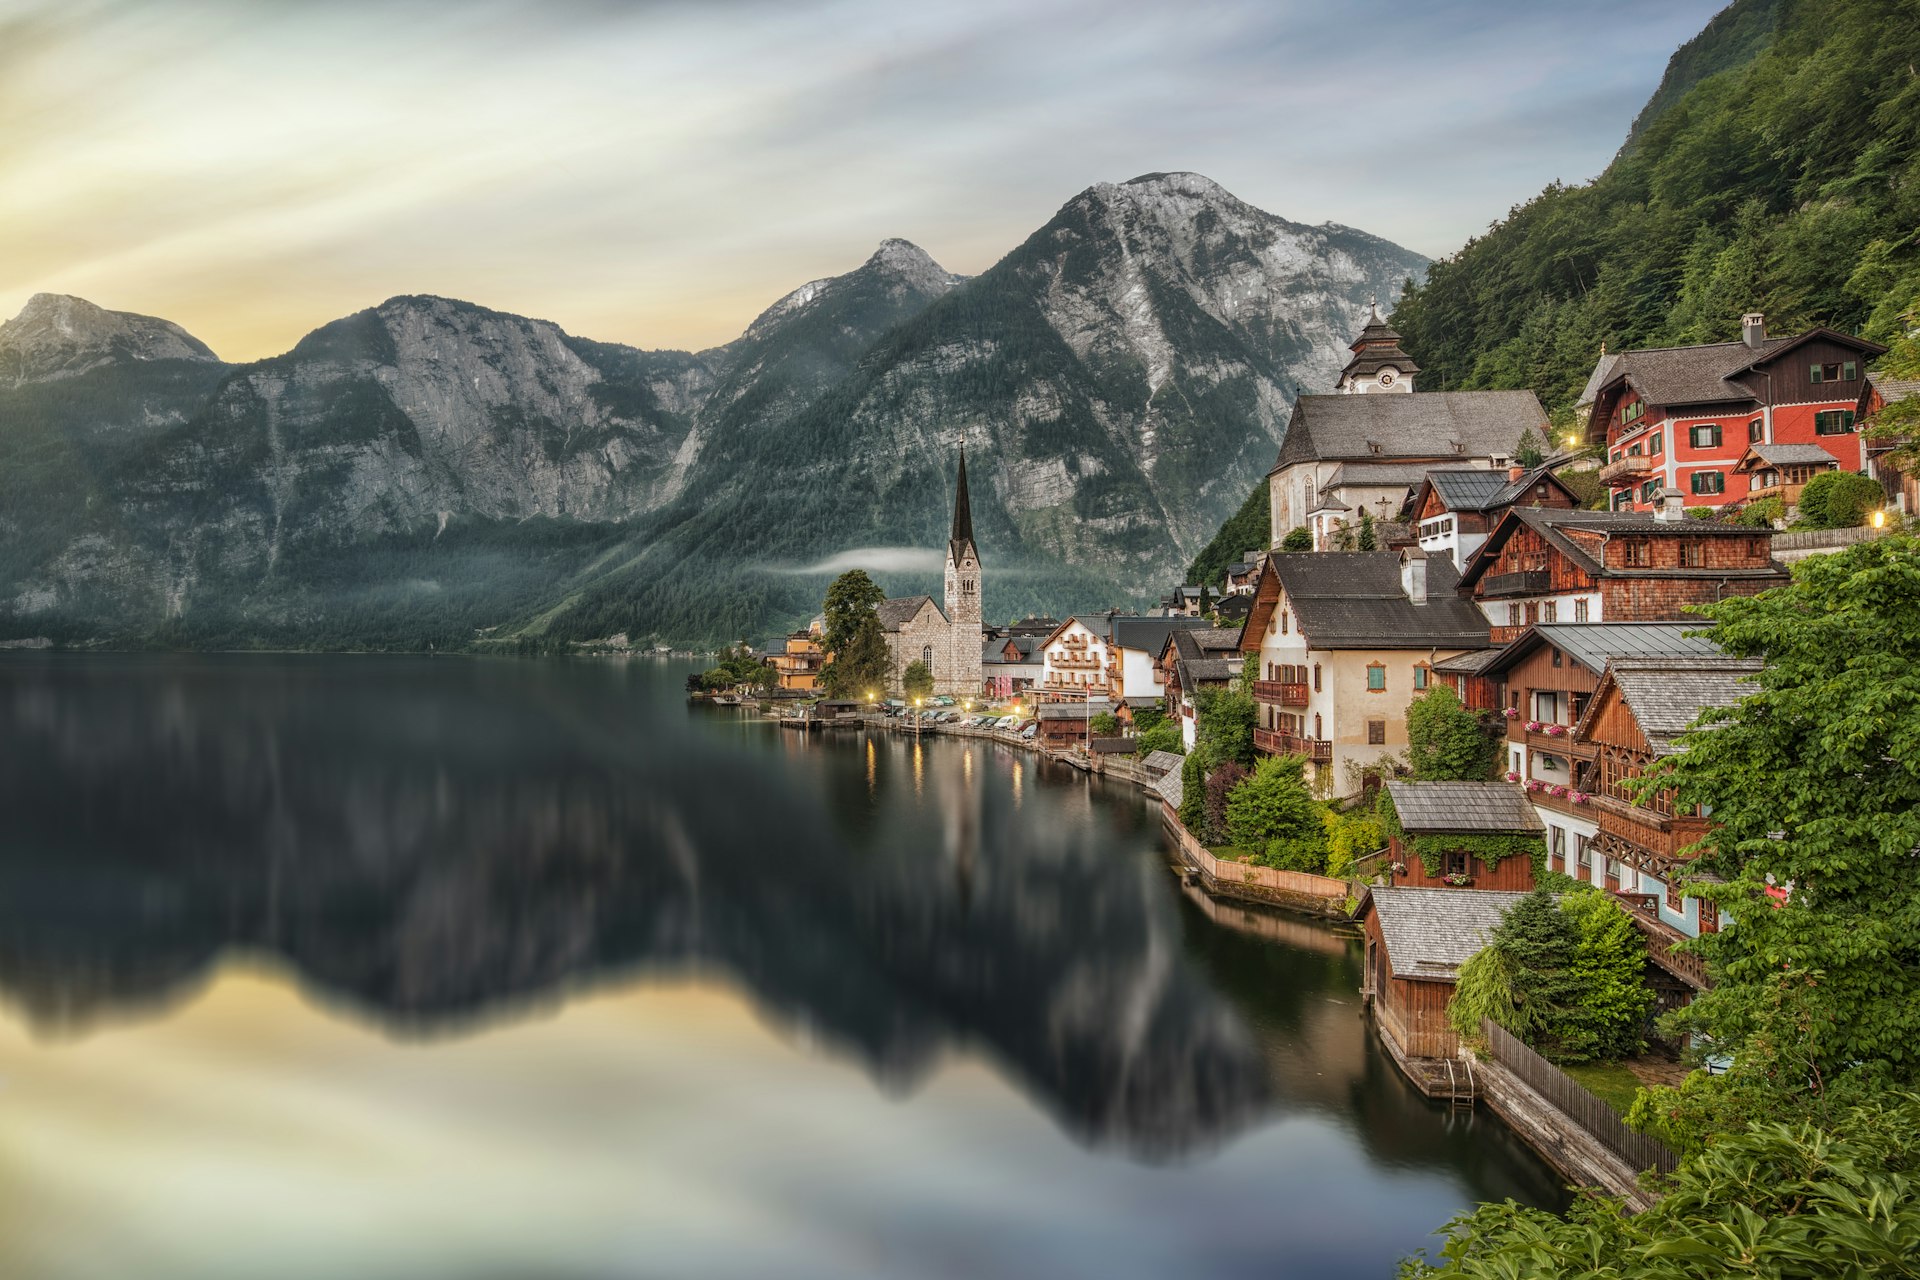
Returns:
point(926, 656)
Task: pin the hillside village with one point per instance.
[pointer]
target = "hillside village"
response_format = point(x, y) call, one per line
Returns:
point(1439, 563)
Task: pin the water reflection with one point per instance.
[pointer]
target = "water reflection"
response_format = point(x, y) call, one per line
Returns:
point(444, 845)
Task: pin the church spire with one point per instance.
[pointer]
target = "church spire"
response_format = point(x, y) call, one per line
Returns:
point(962, 507)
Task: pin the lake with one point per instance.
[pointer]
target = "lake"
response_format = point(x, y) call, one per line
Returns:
point(409, 967)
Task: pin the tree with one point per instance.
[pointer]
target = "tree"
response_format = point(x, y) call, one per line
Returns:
point(1445, 741)
point(1250, 526)
point(1104, 725)
point(1537, 945)
point(861, 668)
point(852, 635)
point(1839, 500)
point(1272, 806)
point(1528, 449)
point(1367, 539)
point(1163, 736)
point(1224, 727)
point(1222, 779)
point(851, 598)
point(1817, 995)
point(1612, 998)
point(1299, 538)
point(1775, 1200)
point(917, 680)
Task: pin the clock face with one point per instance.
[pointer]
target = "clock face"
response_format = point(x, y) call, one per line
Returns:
point(1386, 377)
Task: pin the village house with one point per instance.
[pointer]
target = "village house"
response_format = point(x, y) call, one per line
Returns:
point(1011, 664)
point(1455, 508)
point(1542, 683)
point(1134, 648)
point(1542, 565)
point(1902, 488)
point(1782, 470)
point(1451, 821)
point(1076, 659)
point(1244, 574)
point(1681, 418)
point(798, 660)
point(1367, 446)
point(1193, 659)
point(1343, 642)
point(947, 640)
point(1416, 941)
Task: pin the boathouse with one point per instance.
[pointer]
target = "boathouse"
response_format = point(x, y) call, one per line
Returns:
point(1464, 835)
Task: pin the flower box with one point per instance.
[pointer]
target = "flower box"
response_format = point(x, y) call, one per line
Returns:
point(1512, 776)
point(1533, 726)
point(1579, 797)
point(1534, 784)
point(1458, 881)
point(1511, 713)
point(1554, 730)
point(1558, 792)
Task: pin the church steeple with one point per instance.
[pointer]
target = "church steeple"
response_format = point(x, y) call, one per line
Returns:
point(962, 509)
point(963, 556)
point(1378, 363)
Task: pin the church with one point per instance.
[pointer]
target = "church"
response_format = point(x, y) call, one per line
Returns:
point(948, 640)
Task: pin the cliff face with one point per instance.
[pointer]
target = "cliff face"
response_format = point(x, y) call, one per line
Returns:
point(428, 470)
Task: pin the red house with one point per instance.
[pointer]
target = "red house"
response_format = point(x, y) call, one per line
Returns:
point(1681, 418)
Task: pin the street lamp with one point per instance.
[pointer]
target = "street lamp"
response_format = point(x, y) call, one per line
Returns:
point(916, 719)
point(1880, 519)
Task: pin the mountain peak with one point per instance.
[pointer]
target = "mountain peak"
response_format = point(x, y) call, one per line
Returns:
point(908, 260)
point(58, 335)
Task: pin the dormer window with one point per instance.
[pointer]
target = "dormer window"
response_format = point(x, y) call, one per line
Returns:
point(1632, 411)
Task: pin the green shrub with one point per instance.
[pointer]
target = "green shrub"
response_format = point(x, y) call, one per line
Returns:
point(1273, 804)
point(1839, 500)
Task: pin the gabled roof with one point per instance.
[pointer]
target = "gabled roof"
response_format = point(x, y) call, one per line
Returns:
point(1552, 522)
point(1354, 600)
point(1703, 373)
point(1430, 933)
point(1424, 424)
point(896, 613)
point(1032, 626)
point(1471, 663)
point(1894, 389)
point(1150, 633)
point(1485, 489)
point(1594, 644)
point(1169, 788)
point(994, 650)
point(1785, 455)
point(1602, 373)
point(1378, 474)
point(1158, 762)
point(1498, 807)
point(1100, 624)
point(1666, 695)
point(1194, 672)
point(1202, 642)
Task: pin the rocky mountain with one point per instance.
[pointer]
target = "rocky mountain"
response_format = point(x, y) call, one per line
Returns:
point(429, 471)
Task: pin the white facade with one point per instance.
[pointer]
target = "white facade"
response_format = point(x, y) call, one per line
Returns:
point(1075, 660)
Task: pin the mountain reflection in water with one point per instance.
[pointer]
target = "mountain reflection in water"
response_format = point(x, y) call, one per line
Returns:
point(440, 848)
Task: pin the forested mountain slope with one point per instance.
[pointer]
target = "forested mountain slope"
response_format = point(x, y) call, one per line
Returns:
point(1788, 183)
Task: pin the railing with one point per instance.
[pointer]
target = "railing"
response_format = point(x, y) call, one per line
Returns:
point(1560, 744)
point(1318, 750)
point(1625, 470)
point(1523, 582)
point(1662, 938)
point(1576, 1103)
point(1284, 693)
point(1662, 835)
point(1076, 661)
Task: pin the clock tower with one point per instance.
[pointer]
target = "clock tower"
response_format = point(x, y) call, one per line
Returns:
point(1378, 363)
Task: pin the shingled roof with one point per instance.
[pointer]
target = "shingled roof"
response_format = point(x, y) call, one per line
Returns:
point(1430, 933)
point(1463, 806)
point(1666, 695)
point(1170, 786)
point(1149, 633)
point(1425, 424)
point(1594, 644)
point(1354, 600)
point(1157, 763)
point(1787, 455)
point(1689, 375)
point(896, 613)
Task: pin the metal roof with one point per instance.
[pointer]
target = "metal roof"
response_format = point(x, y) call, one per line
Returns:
point(1594, 644)
point(1463, 806)
point(1430, 933)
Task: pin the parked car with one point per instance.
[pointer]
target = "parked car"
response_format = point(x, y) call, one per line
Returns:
point(1006, 722)
point(1032, 728)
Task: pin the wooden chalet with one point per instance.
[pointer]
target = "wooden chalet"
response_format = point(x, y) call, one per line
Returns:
point(1416, 941)
point(1436, 811)
point(1455, 508)
point(1782, 470)
point(1545, 566)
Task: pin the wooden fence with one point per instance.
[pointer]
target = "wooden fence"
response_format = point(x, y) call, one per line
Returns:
point(1247, 875)
point(1575, 1102)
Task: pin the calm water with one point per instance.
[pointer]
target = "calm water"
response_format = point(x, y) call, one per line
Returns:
point(328, 967)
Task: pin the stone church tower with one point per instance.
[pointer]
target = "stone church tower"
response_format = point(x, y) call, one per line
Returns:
point(961, 674)
point(1378, 363)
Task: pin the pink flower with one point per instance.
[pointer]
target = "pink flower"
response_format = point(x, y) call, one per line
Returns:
point(1533, 726)
point(1579, 797)
point(1512, 776)
point(1559, 793)
point(1555, 730)
point(1511, 713)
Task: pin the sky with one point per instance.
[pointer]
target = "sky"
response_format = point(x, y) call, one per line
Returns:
point(657, 172)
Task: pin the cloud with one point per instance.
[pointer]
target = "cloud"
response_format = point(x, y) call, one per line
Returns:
point(657, 173)
point(876, 560)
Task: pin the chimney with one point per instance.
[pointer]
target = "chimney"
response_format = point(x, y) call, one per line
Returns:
point(1753, 329)
point(1413, 574)
point(1673, 506)
point(1514, 473)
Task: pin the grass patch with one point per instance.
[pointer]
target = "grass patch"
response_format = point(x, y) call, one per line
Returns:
point(1231, 853)
point(1611, 1082)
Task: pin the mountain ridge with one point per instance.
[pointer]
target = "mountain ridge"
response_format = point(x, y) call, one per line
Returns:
point(1119, 371)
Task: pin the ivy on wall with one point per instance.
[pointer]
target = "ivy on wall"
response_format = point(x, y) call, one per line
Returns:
point(1433, 849)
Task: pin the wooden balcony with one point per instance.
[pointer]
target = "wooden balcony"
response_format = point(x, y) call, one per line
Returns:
point(1280, 693)
point(1559, 744)
point(1524, 582)
point(1626, 471)
point(1075, 662)
point(1645, 837)
point(1272, 741)
point(1662, 938)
